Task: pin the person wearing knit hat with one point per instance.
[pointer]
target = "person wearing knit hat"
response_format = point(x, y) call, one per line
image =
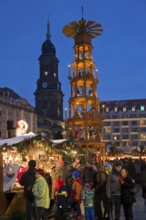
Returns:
point(88, 185)
point(113, 189)
point(41, 196)
point(76, 174)
point(107, 167)
point(40, 171)
point(88, 201)
point(75, 195)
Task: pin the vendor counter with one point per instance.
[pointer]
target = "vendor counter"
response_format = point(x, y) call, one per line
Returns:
point(13, 202)
point(11, 193)
point(16, 201)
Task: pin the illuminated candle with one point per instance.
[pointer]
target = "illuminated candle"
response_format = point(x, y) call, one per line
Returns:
point(65, 113)
point(96, 73)
point(69, 70)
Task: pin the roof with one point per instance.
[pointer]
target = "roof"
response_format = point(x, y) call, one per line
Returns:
point(16, 140)
point(124, 103)
point(8, 93)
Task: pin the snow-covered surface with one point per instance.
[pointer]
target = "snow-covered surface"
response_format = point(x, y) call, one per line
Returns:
point(58, 141)
point(15, 140)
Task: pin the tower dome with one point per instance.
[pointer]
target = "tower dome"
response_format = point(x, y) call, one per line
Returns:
point(48, 47)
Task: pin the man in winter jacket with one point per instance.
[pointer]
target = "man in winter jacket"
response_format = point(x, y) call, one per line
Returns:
point(100, 192)
point(41, 193)
point(87, 173)
point(27, 180)
point(113, 189)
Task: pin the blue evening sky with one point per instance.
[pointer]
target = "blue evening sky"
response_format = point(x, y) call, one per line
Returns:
point(119, 53)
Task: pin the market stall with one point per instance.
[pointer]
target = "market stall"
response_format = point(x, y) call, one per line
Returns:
point(11, 193)
point(14, 156)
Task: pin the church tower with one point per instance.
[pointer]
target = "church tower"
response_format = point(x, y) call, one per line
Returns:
point(48, 95)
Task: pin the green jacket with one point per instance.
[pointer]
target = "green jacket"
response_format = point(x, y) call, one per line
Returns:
point(87, 197)
point(41, 193)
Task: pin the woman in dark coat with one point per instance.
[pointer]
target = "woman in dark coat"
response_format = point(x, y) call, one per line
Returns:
point(61, 194)
point(127, 198)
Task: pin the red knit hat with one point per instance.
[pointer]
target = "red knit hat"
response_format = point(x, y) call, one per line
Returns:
point(88, 185)
point(40, 171)
point(60, 163)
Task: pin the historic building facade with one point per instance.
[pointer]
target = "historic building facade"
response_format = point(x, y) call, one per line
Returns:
point(124, 122)
point(48, 95)
point(14, 108)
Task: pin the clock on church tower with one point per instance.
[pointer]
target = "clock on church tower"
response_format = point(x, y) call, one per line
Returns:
point(44, 85)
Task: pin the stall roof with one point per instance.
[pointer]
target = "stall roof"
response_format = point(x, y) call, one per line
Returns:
point(15, 140)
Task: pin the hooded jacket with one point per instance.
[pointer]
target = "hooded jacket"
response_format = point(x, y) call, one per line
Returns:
point(41, 193)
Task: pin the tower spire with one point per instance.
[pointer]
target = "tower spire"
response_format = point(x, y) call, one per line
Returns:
point(48, 34)
point(82, 12)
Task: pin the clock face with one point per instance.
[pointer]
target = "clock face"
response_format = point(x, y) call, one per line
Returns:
point(44, 85)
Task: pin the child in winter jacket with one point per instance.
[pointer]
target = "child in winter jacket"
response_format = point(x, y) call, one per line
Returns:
point(75, 196)
point(60, 200)
point(88, 201)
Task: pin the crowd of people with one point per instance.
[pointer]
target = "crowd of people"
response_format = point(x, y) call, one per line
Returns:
point(86, 191)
